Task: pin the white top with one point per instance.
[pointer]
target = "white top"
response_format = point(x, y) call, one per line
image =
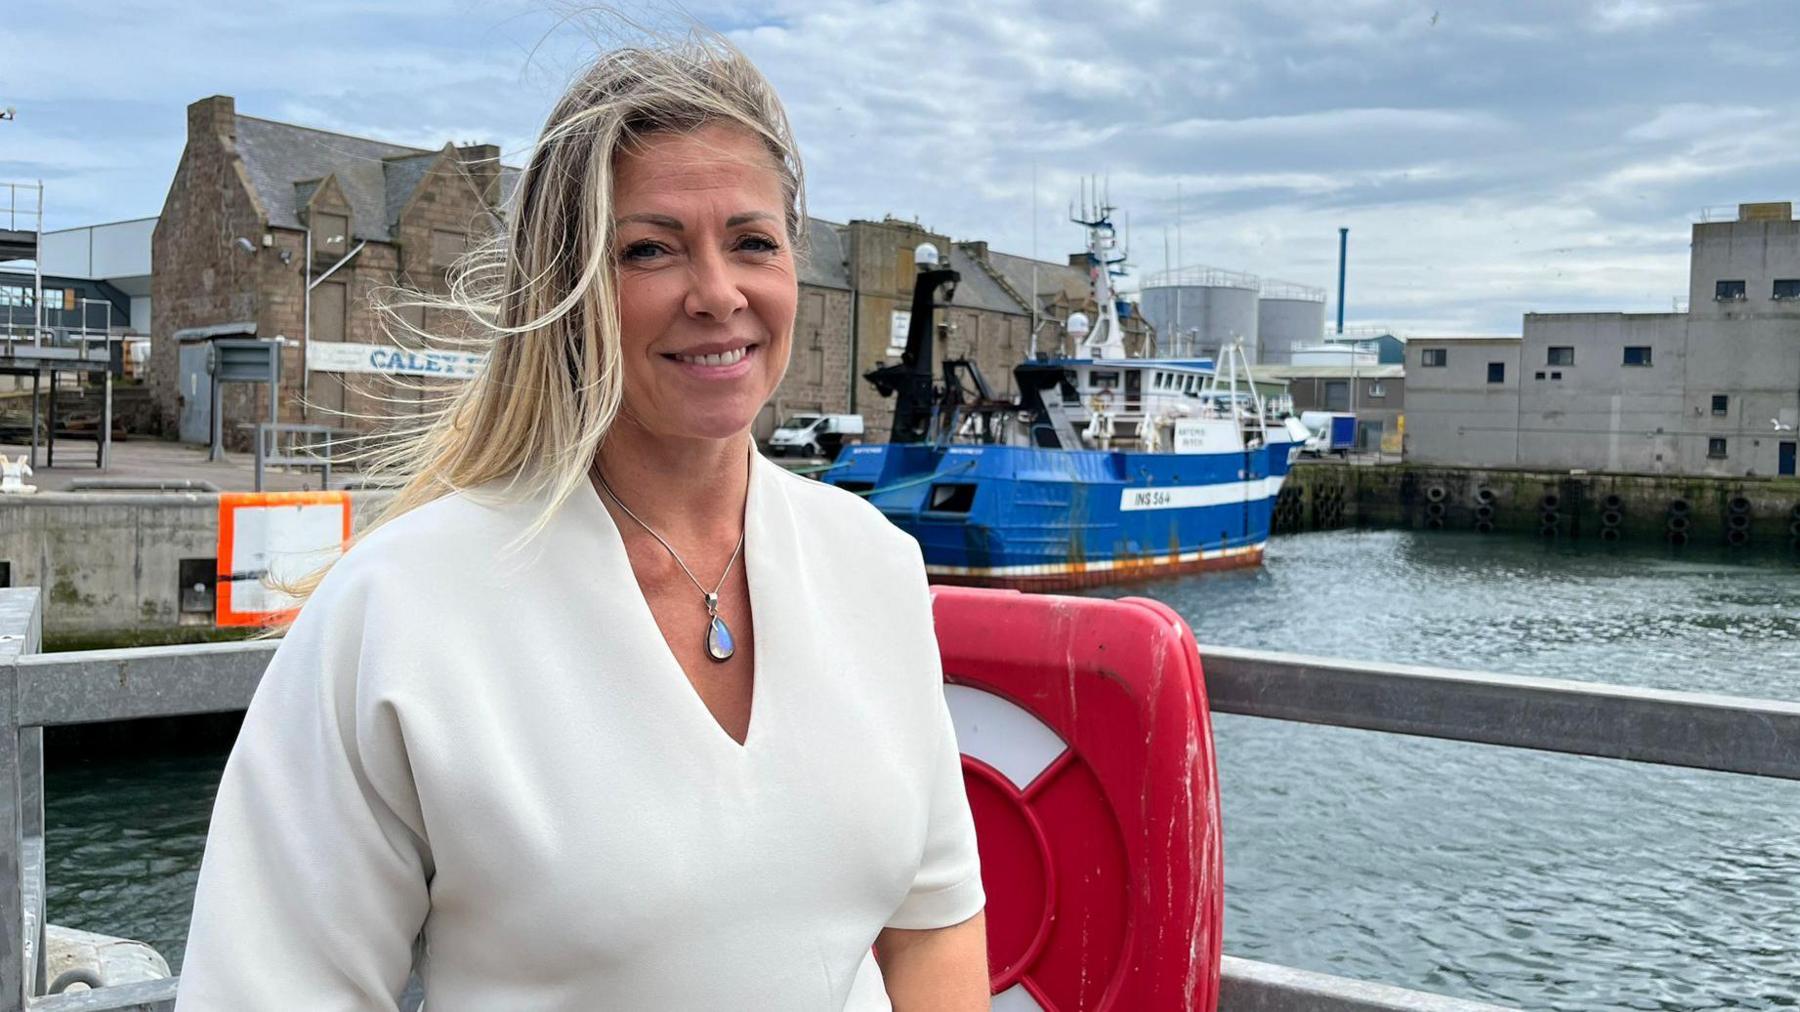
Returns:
point(500, 753)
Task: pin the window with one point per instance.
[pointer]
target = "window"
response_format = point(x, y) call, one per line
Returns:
point(1377, 389)
point(951, 498)
point(329, 233)
point(1728, 291)
point(1637, 354)
point(1561, 355)
point(1715, 448)
point(1337, 395)
point(1434, 356)
point(446, 247)
point(1539, 376)
point(1721, 405)
point(1104, 380)
point(1496, 372)
point(15, 295)
point(1556, 375)
point(1786, 288)
point(53, 299)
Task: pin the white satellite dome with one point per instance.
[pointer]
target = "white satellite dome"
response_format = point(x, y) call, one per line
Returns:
point(925, 255)
point(1078, 324)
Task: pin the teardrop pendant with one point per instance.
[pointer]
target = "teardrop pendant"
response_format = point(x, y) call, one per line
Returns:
point(718, 640)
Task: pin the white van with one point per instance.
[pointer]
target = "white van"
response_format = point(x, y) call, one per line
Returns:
point(815, 435)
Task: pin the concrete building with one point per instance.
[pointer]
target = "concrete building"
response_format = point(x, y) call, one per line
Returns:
point(1462, 401)
point(1711, 391)
point(1388, 347)
point(1375, 392)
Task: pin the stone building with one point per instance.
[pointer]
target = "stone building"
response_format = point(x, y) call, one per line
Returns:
point(249, 199)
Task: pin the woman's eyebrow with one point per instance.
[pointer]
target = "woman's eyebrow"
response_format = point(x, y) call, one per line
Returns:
point(673, 225)
point(659, 220)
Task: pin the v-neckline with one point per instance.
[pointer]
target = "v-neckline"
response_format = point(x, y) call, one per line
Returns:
point(644, 621)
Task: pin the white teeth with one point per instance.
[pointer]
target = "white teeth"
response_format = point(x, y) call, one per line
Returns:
point(721, 359)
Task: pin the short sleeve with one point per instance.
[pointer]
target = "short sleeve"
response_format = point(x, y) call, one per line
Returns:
point(313, 887)
point(947, 889)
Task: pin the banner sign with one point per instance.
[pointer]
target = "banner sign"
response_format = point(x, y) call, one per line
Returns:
point(897, 328)
point(342, 356)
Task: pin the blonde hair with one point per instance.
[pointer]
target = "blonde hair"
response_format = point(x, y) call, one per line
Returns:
point(541, 294)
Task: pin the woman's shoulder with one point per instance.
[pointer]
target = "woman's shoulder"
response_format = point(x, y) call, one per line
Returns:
point(438, 545)
point(463, 521)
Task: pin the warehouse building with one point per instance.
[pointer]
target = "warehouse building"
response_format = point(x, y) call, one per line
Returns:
point(1714, 390)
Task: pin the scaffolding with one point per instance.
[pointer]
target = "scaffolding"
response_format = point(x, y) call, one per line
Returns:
point(30, 348)
point(21, 234)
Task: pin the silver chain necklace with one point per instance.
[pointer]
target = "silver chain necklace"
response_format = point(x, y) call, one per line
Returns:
point(719, 643)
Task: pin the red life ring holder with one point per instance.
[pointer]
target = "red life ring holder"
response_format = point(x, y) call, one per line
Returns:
point(1087, 756)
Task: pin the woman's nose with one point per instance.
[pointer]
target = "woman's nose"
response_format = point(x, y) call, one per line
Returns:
point(714, 291)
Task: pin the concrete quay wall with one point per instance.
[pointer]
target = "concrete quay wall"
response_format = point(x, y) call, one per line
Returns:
point(112, 566)
point(1760, 514)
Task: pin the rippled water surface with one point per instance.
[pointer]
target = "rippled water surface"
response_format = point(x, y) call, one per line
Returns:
point(1545, 881)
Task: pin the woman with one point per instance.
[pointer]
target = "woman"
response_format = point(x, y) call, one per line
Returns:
point(609, 712)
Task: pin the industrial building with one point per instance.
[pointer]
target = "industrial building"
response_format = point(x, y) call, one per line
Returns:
point(1714, 390)
point(1374, 392)
point(95, 278)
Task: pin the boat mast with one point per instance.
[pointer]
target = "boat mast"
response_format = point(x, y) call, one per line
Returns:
point(1106, 340)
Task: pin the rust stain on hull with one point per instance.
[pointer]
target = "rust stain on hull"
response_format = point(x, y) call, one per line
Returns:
point(1078, 575)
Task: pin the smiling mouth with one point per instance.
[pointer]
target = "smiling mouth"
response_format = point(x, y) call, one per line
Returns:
point(717, 360)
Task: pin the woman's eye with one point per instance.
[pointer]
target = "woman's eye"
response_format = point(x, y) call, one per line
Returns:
point(642, 251)
point(758, 244)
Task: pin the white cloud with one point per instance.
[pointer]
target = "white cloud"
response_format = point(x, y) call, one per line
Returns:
point(1494, 158)
point(1685, 120)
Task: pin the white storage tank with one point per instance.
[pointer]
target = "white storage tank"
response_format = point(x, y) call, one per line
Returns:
point(1288, 316)
point(1198, 310)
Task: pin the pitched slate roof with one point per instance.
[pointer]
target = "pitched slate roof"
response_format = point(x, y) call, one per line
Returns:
point(1052, 278)
point(277, 155)
point(978, 289)
point(401, 176)
point(285, 163)
point(827, 264)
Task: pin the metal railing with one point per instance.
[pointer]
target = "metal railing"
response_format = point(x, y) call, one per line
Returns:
point(1273, 289)
point(1697, 730)
point(23, 217)
point(1200, 275)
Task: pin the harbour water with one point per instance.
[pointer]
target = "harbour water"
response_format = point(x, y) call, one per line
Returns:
point(1543, 881)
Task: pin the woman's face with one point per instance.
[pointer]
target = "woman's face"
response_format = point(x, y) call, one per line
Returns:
point(706, 281)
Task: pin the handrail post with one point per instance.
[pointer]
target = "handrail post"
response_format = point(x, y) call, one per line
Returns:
point(21, 811)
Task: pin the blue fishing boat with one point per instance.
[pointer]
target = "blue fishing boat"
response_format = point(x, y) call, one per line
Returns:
point(1106, 468)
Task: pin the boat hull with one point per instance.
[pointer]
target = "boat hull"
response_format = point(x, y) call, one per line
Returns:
point(1048, 519)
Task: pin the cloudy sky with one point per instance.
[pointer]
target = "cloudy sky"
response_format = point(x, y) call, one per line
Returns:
point(1489, 158)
